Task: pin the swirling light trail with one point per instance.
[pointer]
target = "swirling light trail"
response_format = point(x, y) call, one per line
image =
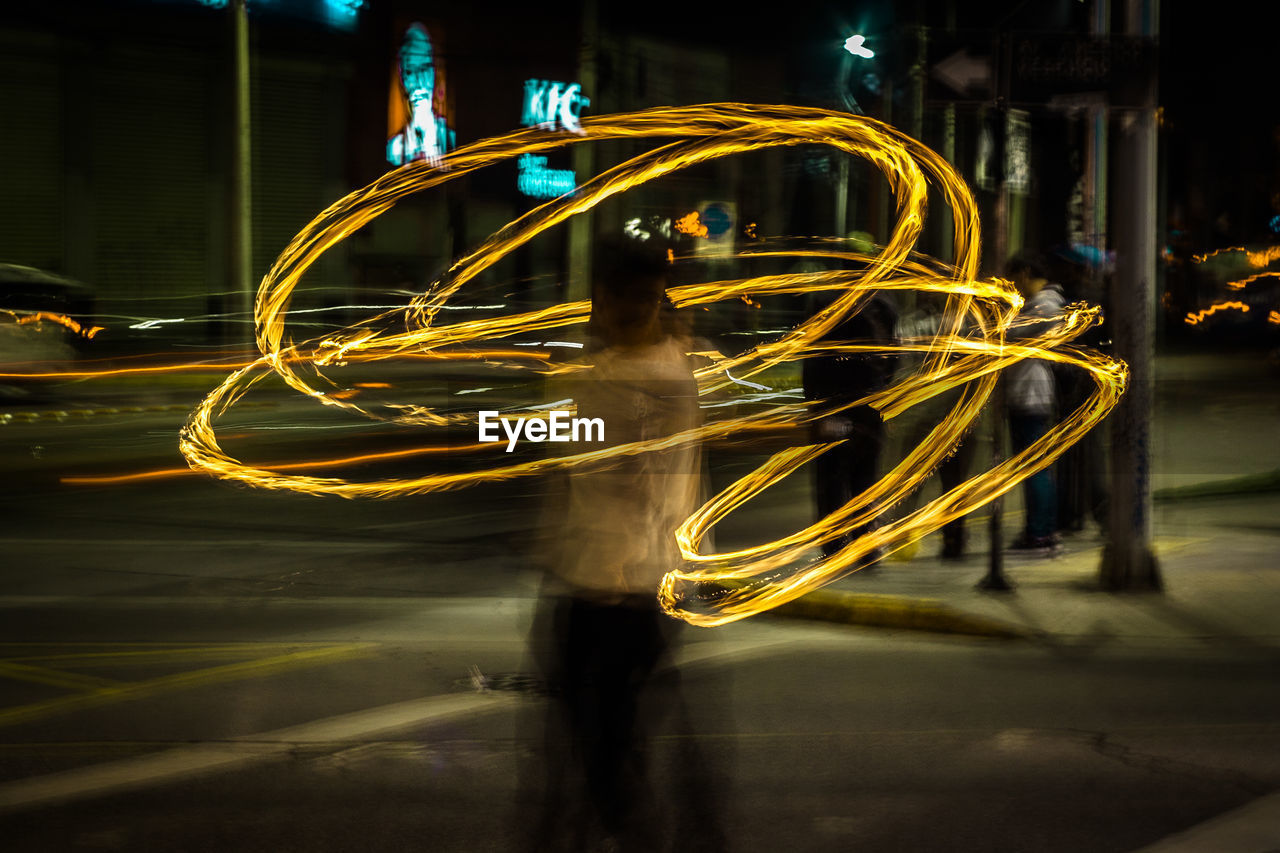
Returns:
point(968, 352)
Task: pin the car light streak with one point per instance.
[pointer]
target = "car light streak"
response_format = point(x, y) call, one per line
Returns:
point(38, 317)
point(223, 367)
point(1257, 259)
point(1245, 282)
point(968, 352)
point(1199, 316)
point(166, 473)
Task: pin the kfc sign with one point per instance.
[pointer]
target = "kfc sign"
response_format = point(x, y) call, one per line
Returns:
point(552, 105)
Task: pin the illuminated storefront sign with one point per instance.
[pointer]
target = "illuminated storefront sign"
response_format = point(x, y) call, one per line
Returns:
point(538, 181)
point(553, 105)
point(337, 14)
point(415, 116)
point(550, 105)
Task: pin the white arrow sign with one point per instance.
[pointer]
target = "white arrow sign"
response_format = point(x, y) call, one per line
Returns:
point(963, 72)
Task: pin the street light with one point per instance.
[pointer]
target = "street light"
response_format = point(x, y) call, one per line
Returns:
point(852, 68)
point(856, 44)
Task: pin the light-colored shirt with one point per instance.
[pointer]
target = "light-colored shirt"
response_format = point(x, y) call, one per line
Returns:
point(619, 527)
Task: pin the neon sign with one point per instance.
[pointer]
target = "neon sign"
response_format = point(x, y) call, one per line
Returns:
point(552, 105)
point(536, 180)
point(418, 131)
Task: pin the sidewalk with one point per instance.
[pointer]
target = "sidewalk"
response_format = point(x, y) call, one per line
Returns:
point(1218, 589)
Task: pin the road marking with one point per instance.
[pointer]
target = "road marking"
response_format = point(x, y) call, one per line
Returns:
point(175, 764)
point(98, 694)
point(184, 762)
point(51, 677)
point(319, 544)
point(1252, 828)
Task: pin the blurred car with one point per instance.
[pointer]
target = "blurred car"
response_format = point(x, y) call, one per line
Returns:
point(45, 323)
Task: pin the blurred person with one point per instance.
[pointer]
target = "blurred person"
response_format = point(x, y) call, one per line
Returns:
point(924, 323)
point(833, 381)
point(1030, 398)
point(1081, 471)
point(602, 642)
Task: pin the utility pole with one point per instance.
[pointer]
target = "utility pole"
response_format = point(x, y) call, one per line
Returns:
point(581, 237)
point(1129, 562)
point(242, 177)
point(995, 580)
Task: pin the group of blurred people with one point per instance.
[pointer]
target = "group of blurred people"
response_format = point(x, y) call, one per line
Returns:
point(1036, 393)
point(604, 648)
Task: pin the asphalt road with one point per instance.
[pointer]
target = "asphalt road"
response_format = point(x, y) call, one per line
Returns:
point(188, 665)
point(821, 738)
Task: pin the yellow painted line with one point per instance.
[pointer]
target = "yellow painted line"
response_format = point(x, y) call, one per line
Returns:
point(182, 681)
point(52, 677)
point(127, 656)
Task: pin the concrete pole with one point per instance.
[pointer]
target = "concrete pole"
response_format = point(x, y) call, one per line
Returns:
point(581, 231)
point(242, 179)
point(946, 228)
point(946, 244)
point(1128, 561)
point(1096, 148)
point(995, 579)
point(916, 80)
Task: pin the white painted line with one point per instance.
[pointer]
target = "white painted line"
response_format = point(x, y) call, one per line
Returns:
point(177, 764)
point(1252, 828)
point(185, 762)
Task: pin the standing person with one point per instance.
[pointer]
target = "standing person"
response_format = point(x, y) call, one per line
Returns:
point(923, 324)
point(1081, 471)
point(605, 645)
point(834, 380)
point(1030, 398)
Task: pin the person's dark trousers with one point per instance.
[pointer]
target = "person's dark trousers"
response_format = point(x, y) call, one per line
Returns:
point(609, 654)
point(849, 469)
point(953, 471)
point(1038, 490)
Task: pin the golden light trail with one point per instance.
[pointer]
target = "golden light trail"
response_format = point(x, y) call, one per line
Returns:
point(968, 352)
point(1198, 317)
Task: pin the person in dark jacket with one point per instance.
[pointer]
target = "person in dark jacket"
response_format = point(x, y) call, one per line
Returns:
point(835, 380)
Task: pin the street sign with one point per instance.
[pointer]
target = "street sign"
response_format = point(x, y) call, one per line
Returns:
point(964, 73)
point(1043, 67)
point(1017, 152)
point(1040, 68)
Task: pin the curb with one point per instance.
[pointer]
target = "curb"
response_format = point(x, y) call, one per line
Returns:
point(1267, 481)
point(894, 611)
